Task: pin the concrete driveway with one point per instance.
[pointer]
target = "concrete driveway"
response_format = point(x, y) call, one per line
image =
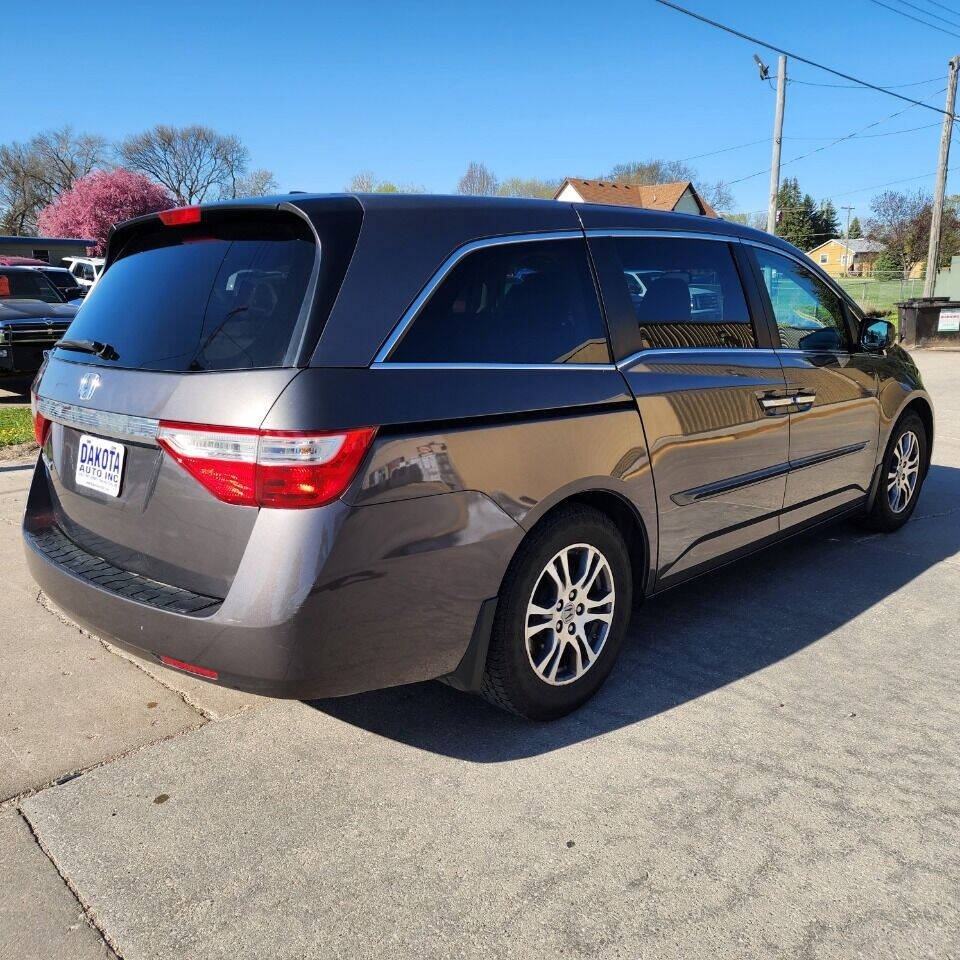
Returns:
point(771, 771)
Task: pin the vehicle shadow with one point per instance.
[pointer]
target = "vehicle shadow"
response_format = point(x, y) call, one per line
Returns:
point(15, 390)
point(693, 639)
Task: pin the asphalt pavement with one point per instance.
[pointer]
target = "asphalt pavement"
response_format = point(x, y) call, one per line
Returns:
point(771, 770)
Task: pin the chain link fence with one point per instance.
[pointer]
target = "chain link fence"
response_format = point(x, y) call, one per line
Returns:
point(880, 291)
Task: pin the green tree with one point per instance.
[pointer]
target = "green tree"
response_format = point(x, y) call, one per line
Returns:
point(796, 215)
point(826, 224)
point(856, 231)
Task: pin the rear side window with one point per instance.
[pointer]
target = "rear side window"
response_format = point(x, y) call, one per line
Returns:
point(685, 293)
point(512, 303)
point(225, 294)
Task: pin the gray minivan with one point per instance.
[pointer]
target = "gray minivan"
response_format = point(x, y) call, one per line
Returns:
point(314, 445)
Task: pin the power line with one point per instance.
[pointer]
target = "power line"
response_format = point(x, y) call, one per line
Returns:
point(934, 3)
point(738, 146)
point(834, 142)
point(910, 16)
point(870, 136)
point(795, 56)
point(857, 86)
point(928, 13)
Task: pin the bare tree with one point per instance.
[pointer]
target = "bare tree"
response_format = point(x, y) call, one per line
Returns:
point(642, 172)
point(901, 222)
point(257, 183)
point(717, 194)
point(194, 163)
point(34, 174)
point(363, 181)
point(478, 181)
point(529, 187)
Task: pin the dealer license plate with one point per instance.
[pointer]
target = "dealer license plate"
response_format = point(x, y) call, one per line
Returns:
point(99, 464)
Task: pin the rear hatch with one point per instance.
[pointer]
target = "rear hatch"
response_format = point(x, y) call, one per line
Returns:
point(202, 317)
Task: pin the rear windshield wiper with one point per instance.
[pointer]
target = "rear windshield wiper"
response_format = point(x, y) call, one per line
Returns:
point(90, 346)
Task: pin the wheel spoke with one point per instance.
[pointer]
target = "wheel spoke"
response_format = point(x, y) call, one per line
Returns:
point(584, 643)
point(593, 604)
point(535, 610)
point(565, 570)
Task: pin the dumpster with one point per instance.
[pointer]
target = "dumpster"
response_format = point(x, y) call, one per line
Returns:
point(929, 318)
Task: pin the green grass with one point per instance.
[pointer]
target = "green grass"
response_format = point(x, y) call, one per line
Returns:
point(16, 426)
point(872, 294)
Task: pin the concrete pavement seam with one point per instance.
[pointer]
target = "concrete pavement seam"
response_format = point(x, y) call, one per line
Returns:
point(47, 605)
point(88, 913)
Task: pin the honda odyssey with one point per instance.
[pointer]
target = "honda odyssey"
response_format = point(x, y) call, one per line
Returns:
point(313, 445)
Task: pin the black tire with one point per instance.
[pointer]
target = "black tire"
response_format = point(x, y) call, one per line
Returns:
point(882, 517)
point(510, 680)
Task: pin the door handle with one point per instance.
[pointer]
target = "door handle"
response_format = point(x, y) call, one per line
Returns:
point(805, 399)
point(775, 404)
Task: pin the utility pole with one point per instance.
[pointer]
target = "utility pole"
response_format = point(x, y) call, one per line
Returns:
point(846, 240)
point(777, 138)
point(936, 214)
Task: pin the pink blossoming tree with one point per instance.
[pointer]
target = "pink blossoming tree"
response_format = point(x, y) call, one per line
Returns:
point(98, 201)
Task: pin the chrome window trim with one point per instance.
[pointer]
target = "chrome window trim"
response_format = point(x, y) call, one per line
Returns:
point(667, 351)
point(99, 421)
point(376, 365)
point(380, 360)
point(658, 234)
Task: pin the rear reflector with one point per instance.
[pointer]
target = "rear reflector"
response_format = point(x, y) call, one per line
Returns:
point(41, 425)
point(190, 668)
point(179, 216)
point(263, 468)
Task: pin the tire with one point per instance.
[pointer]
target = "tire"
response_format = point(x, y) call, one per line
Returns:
point(560, 669)
point(892, 508)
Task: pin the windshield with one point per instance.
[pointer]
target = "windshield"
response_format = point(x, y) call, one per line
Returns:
point(27, 285)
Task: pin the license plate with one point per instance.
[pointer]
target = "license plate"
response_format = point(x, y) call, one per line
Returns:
point(99, 464)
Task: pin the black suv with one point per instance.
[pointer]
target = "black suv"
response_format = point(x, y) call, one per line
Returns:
point(313, 445)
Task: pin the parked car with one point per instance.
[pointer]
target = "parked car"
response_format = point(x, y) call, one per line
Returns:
point(86, 270)
point(386, 439)
point(65, 282)
point(33, 316)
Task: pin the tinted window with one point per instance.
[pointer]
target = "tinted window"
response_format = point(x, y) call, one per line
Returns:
point(61, 279)
point(685, 293)
point(216, 296)
point(512, 303)
point(27, 285)
point(809, 314)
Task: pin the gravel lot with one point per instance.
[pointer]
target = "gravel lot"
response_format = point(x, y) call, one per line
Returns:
point(771, 771)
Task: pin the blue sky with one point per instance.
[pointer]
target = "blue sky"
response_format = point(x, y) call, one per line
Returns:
point(413, 91)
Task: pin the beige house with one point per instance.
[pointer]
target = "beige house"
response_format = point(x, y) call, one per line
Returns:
point(838, 257)
point(681, 197)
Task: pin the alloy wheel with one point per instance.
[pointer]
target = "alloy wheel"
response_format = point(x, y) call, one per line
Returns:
point(569, 614)
point(904, 471)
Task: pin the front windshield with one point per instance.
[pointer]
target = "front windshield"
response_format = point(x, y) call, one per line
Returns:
point(27, 285)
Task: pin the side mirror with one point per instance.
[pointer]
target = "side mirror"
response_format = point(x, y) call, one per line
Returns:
point(877, 335)
point(74, 293)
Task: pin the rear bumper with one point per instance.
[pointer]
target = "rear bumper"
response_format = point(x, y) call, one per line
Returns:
point(326, 602)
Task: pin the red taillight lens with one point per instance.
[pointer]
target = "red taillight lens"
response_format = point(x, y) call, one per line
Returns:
point(257, 468)
point(41, 425)
point(179, 216)
point(189, 668)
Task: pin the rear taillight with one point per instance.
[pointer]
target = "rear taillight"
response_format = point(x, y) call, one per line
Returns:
point(41, 425)
point(263, 468)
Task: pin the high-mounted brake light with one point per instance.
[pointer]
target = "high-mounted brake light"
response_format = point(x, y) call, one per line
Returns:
point(41, 425)
point(179, 216)
point(267, 468)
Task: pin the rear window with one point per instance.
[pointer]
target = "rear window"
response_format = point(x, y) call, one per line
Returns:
point(225, 294)
point(27, 285)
